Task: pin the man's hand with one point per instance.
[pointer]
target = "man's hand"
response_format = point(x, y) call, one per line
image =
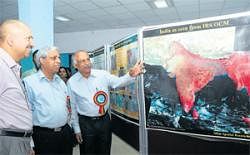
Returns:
point(79, 138)
point(137, 69)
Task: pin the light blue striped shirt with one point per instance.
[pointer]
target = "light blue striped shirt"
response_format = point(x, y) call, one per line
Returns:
point(47, 99)
point(82, 91)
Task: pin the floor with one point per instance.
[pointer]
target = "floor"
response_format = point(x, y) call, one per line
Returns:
point(119, 147)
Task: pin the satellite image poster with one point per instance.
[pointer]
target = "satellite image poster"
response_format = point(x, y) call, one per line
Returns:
point(197, 78)
point(124, 55)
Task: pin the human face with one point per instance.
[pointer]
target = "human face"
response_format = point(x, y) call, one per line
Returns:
point(51, 63)
point(83, 63)
point(22, 41)
point(63, 73)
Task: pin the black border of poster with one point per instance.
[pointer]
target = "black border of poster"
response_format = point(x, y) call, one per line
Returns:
point(154, 31)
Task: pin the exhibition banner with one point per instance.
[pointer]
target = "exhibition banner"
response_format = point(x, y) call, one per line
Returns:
point(98, 58)
point(197, 78)
point(123, 56)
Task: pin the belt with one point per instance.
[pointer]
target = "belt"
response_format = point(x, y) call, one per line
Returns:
point(15, 133)
point(93, 117)
point(39, 128)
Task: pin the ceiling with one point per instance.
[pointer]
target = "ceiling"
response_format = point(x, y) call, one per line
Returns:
point(88, 15)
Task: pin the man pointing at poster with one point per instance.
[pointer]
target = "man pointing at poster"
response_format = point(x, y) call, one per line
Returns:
point(89, 96)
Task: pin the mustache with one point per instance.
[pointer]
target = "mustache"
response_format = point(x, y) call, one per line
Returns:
point(87, 66)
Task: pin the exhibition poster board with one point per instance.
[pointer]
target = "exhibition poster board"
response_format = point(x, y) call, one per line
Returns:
point(123, 55)
point(98, 58)
point(197, 78)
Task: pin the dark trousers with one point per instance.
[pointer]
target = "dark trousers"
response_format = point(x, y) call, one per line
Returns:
point(50, 142)
point(96, 134)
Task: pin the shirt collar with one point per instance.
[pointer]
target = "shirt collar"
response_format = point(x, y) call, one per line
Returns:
point(42, 76)
point(8, 59)
point(92, 74)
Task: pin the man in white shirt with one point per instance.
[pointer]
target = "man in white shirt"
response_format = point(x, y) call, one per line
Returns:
point(16, 42)
point(89, 94)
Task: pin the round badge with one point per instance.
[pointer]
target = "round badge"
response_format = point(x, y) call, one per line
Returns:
point(100, 99)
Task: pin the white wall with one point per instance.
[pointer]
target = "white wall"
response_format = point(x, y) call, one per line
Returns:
point(89, 40)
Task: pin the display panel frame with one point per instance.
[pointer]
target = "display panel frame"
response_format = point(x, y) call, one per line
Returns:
point(98, 58)
point(118, 59)
point(187, 27)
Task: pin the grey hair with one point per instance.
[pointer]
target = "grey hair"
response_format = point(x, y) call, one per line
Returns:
point(42, 53)
point(74, 55)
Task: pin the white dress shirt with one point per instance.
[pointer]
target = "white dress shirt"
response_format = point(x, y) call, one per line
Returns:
point(82, 91)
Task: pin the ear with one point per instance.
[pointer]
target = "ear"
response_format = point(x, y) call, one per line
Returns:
point(42, 61)
point(75, 65)
point(9, 40)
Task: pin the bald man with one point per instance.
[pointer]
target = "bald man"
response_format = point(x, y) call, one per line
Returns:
point(16, 42)
point(89, 95)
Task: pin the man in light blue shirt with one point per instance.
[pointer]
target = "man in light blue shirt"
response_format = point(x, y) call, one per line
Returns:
point(89, 94)
point(47, 94)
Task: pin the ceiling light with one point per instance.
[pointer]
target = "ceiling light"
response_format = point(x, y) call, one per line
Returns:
point(62, 19)
point(160, 3)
